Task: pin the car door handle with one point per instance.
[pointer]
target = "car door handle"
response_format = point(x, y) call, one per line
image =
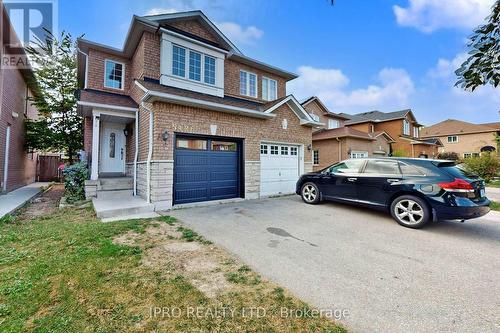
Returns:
point(352, 179)
point(392, 181)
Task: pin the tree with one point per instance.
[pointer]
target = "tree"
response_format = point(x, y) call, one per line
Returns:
point(59, 127)
point(483, 65)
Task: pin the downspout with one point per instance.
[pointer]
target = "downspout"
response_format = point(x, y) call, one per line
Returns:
point(86, 68)
point(340, 149)
point(150, 151)
point(136, 154)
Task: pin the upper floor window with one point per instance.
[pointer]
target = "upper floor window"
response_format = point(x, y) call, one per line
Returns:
point(416, 131)
point(192, 69)
point(314, 116)
point(269, 89)
point(452, 139)
point(248, 84)
point(209, 70)
point(194, 66)
point(113, 74)
point(179, 61)
point(406, 127)
point(372, 128)
point(333, 123)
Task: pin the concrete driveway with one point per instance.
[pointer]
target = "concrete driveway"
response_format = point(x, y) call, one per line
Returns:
point(444, 278)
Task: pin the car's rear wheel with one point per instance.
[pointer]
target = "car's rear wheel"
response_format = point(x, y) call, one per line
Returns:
point(410, 211)
point(310, 193)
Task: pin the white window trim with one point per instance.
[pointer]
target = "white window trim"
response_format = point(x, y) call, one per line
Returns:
point(416, 131)
point(186, 66)
point(123, 74)
point(406, 127)
point(248, 84)
point(269, 88)
point(337, 122)
point(452, 136)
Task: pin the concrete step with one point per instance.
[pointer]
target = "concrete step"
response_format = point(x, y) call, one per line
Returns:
point(108, 194)
point(150, 215)
point(121, 205)
point(116, 183)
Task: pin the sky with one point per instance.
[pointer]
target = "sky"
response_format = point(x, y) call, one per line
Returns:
point(356, 55)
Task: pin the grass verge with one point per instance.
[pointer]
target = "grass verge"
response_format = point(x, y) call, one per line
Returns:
point(66, 272)
point(495, 206)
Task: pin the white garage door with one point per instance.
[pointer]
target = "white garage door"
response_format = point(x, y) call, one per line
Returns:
point(279, 168)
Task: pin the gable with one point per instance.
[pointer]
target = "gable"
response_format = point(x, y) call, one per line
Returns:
point(193, 26)
point(296, 107)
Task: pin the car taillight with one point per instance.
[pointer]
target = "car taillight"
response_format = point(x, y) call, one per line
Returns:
point(458, 185)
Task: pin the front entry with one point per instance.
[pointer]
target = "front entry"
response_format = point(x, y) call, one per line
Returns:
point(112, 148)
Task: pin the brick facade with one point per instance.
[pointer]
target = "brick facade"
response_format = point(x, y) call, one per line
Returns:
point(314, 108)
point(14, 110)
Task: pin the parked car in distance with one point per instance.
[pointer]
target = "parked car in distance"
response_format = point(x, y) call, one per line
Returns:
point(413, 190)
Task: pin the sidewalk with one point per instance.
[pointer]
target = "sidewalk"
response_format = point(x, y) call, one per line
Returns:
point(493, 193)
point(13, 200)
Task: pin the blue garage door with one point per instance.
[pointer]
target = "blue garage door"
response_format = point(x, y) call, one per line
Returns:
point(206, 169)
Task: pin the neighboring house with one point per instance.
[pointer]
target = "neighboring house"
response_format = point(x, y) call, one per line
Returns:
point(400, 125)
point(17, 167)
point(320, 113)
point(465, 139)
point(333, 142)
point(188, 117)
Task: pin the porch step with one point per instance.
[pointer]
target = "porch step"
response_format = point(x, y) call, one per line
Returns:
point(116, 183)
point(121, 206)
point(109, 194)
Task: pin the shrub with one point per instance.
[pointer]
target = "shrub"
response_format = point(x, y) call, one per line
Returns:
point(452, 156)
point(487, 166)
point(74, 181)
point(399, 153)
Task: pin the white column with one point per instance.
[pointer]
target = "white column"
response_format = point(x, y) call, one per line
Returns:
point(95, 147)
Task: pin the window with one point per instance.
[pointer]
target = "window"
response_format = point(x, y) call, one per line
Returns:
point(223, 146)
point(197, 144)
point(113, 74)
point(314, 117)
point(274, 150)
point(209, 70)
point(359, 154)
point(316, 157)
point(372, 128)
point(333, 123)
point(179, 61)
point(410, 170)
point(349, 166)
point(284, 150)
point(248, 84)
point(294, 151)
point(469, 155)
point(269, 89)
point(194, 66)
point(382, 167)
point(406, 127)
point(416, 132)
point(112, 144)
point(263, 149)
point(452, 139)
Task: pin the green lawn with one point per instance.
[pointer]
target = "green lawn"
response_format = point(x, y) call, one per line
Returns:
point(68, 272)
point(493, 183)
point(495, 206)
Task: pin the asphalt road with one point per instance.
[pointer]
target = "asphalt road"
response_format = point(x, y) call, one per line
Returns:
point(443, 278)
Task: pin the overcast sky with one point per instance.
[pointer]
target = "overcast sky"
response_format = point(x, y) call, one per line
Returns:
point(356, 56)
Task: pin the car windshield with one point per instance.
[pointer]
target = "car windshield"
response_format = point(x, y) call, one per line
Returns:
point(458, 171)
point(348, 166)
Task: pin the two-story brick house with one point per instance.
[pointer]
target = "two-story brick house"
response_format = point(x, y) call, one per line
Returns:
point(334, 142)
point(190, 118)
point(400, 125)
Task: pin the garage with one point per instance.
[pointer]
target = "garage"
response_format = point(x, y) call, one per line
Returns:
point(206, 168)
point(279, 168)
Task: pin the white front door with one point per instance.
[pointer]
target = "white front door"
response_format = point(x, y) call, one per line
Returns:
point(279, 168)
point(112, 148)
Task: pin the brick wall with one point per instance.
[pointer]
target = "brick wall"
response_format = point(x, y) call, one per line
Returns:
point(194, 27)
point(96, 71)
point(87, 135)
point(184, 119)
point(22, 167)
point(232, 80)
point(328, 151)
point(468, 143)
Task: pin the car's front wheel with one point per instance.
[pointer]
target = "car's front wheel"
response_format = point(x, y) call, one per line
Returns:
point(310, 193)
point(410, 211)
